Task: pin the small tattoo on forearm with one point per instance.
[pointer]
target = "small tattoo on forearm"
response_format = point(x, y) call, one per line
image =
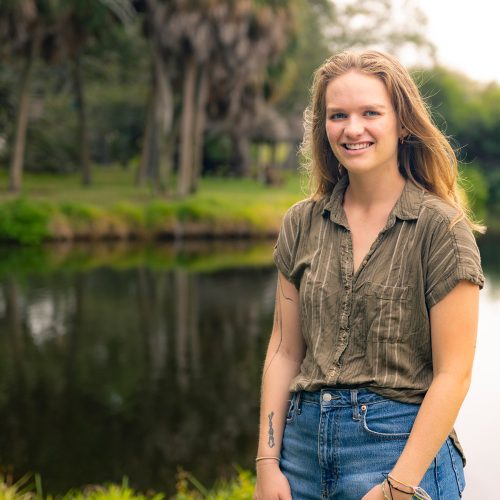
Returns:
point(270, 441)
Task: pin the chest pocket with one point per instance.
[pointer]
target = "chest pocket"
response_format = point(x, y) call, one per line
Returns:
point(387, 312)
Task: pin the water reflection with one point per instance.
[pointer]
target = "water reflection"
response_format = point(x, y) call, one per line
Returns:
point(132, 361)
point(112, 372)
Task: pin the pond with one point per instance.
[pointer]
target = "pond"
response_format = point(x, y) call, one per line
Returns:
point(124, 360)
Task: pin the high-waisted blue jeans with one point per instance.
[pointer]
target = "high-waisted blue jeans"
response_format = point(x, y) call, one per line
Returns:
point(338, 443)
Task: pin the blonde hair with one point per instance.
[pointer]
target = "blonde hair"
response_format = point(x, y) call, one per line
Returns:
point(425, 156)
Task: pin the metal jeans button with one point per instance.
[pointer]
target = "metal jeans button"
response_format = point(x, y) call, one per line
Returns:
point(327, 397)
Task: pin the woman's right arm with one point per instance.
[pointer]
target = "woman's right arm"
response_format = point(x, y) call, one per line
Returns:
point(284, 355)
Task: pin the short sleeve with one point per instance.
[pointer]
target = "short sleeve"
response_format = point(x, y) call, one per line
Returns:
point(453, 256)
point(285, 249)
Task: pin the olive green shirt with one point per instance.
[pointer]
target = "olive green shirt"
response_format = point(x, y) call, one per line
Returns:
point(372, 329)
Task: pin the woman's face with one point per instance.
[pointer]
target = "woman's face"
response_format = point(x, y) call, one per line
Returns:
point(361, 125)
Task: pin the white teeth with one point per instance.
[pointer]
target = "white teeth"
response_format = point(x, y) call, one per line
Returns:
point(362, 145)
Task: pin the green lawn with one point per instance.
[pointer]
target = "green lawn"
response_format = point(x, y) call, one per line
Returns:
point(112, 185)
point(113, 207)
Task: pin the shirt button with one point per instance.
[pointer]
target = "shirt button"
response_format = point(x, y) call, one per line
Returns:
point(327, 397)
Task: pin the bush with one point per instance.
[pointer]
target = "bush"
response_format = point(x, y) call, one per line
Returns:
point(475, 185)
point(24, 221)
point(240, 488)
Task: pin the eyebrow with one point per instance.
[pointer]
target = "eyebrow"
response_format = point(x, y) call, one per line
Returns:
point(365, 106)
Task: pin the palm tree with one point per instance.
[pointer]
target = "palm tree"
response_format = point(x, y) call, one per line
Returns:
point(54, 30)
point(20, 36)
point(217, 52)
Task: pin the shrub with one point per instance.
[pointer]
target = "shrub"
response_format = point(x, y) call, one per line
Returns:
point(24, 221)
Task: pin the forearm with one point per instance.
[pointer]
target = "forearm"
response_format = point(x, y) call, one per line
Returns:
point(432, 426)
point(279, 370)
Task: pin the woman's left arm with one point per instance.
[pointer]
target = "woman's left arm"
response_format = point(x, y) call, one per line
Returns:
point(453, 322)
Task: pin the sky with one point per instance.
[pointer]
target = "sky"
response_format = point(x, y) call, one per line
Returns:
point(466, 34)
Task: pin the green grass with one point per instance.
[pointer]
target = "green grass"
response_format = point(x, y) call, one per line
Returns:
point(188, 488)
point(113, 185)
point(58, 207)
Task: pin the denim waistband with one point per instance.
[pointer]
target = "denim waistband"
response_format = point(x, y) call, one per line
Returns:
point(341, 397)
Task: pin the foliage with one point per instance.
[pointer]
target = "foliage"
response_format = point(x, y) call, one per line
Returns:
point(110, 492)
point(20, 490)
point(467, 111)
point(239, 488)
point(23, 490)
point(256, 60)
point(469, 114)
point(59, 208)
point(24, 221)
point(475, 186)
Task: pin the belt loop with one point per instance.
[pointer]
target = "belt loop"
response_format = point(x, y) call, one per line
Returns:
point(298, 407)
point(354, 403)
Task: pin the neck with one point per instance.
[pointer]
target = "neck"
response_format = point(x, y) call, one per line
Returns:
point(370, 191)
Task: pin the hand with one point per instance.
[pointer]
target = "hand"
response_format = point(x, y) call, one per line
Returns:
point(272, 484)
point(376, 493)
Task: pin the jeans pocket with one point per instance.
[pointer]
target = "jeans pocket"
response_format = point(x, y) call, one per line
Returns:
point(388, 419)
point(457, 464)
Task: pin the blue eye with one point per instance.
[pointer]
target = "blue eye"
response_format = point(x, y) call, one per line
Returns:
point(372, 113)
point(337, 116)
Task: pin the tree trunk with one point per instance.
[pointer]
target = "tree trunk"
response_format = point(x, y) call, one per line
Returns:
point(186, 156)
point(149, 142)
point(240, 161)
point(292, 159)
point(199, 128)
point(83, 133)
point(17, 160)
point(163, 118)
point(158, 124)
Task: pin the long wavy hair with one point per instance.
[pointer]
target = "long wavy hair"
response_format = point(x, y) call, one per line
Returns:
point(425, 156)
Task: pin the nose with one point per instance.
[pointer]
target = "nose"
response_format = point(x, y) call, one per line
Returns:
point(354, 127)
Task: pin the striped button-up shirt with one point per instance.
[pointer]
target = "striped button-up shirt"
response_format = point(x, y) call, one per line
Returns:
point(371, 328)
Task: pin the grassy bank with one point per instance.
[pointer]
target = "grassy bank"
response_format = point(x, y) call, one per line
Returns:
point(59, 208)
point(188, 488)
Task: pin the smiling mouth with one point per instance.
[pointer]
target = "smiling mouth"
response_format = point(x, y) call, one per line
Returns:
point(357, 146)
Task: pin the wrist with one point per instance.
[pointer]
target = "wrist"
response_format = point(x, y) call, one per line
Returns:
point(267, 465)
point(405, 490)
point(267, 461)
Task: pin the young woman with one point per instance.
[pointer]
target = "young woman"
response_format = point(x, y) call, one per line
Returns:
point(376, 304)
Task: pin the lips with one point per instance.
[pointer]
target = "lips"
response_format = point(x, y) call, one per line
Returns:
point(356, 145)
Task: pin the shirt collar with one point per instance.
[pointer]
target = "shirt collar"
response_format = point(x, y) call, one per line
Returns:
point(406, 208)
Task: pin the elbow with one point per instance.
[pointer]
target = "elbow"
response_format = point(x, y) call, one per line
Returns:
point(459, 380)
